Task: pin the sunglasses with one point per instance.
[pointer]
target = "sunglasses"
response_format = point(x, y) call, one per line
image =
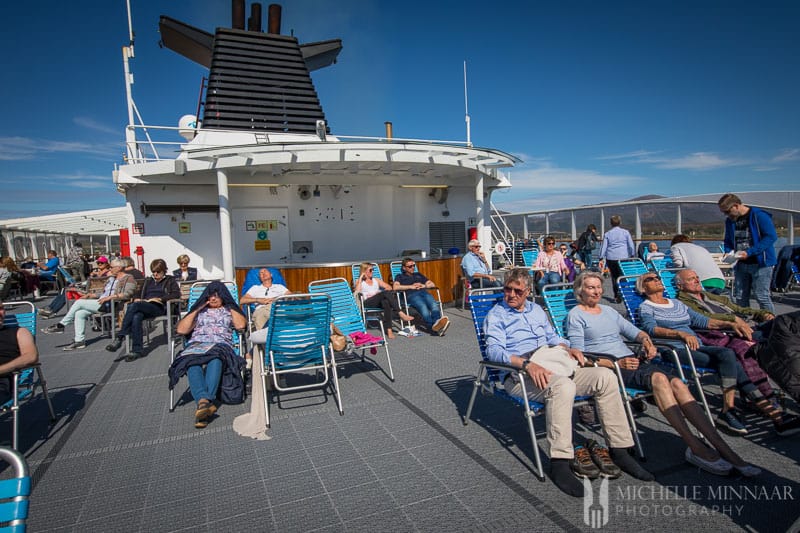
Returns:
point(411, 265)
point(518, 292)
point(154, 272)
point(651, 278)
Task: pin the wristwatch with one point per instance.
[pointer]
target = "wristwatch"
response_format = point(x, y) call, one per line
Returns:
point(525, 364)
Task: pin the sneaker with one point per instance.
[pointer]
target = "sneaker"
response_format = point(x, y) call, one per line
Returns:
point(440, 324)
point(45, 312)
point(55, 328)
point(77, 345)
point(114, 345)
point(747, 470)
point(603, 461)
point(582, 464)
point(789, 425)
point(730, 422)
point(586, 414)
point(720, 467)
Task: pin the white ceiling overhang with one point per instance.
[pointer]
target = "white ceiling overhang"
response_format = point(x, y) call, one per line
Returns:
point(95, 222)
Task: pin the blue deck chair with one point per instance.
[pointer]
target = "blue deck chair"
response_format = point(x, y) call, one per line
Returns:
point(529, 257)
point(632, 266)
point(14, 493)
point(347, 317)
point(250, 279)
point(660, 263)
point(481, 302)
point(632, 301)
point(195, 291)
point(370, 314)
point(396, 267)
point(668, 280)
point(25, 380)
point(298, 341)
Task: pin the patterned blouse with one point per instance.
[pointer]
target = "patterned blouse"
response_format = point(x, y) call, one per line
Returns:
point(213, 326)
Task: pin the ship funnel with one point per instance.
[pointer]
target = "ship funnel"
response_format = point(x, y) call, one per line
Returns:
point(388, 129)
point(254, 22)
point(237, 14)
point(274, 19)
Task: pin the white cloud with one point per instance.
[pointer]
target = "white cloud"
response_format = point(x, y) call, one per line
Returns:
point(26, 148)
point(789, 154)
point(694, 161)
point(92, 124)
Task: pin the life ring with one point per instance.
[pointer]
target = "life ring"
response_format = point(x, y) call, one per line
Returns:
point(500, 248)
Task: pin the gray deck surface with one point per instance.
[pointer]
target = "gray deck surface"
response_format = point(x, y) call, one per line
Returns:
point(399, 459)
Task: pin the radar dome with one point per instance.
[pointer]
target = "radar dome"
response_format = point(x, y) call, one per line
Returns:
point(187, 126)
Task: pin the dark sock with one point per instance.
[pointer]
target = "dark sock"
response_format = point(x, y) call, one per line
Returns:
point(563, 477)
point(629, 465)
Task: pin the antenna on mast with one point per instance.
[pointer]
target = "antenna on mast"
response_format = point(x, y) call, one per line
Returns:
point(466, 106)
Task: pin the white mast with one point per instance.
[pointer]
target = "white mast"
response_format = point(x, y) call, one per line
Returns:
point(466, 106)
point(127, 54)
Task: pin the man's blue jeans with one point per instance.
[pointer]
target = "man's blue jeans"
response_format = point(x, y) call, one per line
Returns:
point(723, 360)
point(753, 278)
point(204, 382)
point(424, 303)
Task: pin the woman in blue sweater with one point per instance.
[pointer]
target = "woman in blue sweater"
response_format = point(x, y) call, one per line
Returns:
point(672, 319)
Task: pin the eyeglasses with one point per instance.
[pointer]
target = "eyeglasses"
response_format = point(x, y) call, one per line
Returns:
point(651, 278)
point(411, 265)
point(518, 292)
point(183, 264)
point(549, 244)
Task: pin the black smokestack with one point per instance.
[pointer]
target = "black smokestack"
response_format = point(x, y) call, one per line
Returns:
point(237, 14)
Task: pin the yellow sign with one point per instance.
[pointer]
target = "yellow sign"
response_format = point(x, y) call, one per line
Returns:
point(184, 227)
point(263, 246)
point(273, 225)
point(262, 225)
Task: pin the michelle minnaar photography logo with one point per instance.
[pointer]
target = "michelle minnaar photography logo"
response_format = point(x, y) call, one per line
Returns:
point(603, 505)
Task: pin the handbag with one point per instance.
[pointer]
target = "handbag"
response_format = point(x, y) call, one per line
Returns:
point(338, 340)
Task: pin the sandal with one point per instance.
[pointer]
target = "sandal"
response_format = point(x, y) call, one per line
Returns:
point(205, 410)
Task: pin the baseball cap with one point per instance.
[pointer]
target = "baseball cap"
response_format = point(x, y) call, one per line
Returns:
point(102, 259)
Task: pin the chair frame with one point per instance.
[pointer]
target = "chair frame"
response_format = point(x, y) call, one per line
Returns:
point(346, 316)
point(23, 382)
point(294, 348)
point(15, 492)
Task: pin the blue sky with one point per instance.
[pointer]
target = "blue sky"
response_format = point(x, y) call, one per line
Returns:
point(602, 100)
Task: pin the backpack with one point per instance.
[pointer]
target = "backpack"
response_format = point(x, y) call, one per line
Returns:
point(779, 356)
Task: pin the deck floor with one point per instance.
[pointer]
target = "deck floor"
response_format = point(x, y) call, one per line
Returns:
point(399, 459)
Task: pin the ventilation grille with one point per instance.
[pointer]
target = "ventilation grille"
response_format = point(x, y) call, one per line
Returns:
point(446, 235)
point(259, 81)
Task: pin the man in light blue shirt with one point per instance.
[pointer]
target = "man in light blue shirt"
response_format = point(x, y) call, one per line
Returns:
point(477, 268)
point(519, 334)
point(617, 244)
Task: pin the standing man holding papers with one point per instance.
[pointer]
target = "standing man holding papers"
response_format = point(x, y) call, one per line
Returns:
point(750, 236)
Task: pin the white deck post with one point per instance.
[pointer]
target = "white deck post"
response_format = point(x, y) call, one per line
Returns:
point(574, 230)
point(638, 225)
point(12, 253)
point(680, 219)
point(225, 225)
point(791, 228)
